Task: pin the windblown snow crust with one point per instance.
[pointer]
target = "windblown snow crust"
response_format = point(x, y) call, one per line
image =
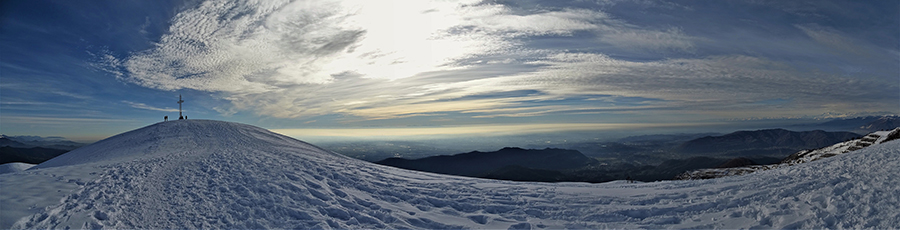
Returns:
point(213, 174)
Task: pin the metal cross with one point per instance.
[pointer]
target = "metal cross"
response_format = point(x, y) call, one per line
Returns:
point(179, 105)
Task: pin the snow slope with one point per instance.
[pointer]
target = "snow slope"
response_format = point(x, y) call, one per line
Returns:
point(800, 157)
point(14, 167)
point(870, 139)
point(213, 174)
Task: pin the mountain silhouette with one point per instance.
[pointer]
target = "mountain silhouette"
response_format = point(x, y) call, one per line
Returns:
point(477, 163)
point(768, 142)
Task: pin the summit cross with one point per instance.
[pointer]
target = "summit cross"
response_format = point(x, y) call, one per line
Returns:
point(179, 105)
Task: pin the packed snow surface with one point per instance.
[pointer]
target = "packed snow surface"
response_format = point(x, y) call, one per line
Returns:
point(213, 174)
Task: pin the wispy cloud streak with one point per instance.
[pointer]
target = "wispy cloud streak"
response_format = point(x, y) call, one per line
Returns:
point(139, 105)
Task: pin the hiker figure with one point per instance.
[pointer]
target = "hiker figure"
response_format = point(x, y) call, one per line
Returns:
point(166, 118)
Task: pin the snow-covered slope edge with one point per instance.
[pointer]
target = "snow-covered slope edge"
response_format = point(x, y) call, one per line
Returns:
point(800, 157)
point(240, 177)
point(14, 167)
point(874, 138)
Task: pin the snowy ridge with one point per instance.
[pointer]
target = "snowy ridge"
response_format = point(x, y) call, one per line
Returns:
point(211, 174)
point(800, 157)
point(14, 167)
point(843, 147)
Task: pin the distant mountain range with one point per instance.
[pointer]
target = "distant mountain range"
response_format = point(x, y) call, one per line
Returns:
point(37, 141)
point(656, 138)
point(33, 149)
point(861, 125)
point(480, 164)
point(34, 155)
point(555, 165)
point(803, 156)
point(768, 142)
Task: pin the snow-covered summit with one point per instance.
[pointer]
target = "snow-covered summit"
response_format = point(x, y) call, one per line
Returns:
point(182, 138)
point(212, 174)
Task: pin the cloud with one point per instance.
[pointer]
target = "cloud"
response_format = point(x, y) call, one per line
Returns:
point(147, 107)
point(72, 95)
point(497, 19)
point(833, 39)
point(735, 82)
point(244, 47)
point(30, 120)
point(672, 39)
point(485, 130)
point(288, 59)
point(373, 60)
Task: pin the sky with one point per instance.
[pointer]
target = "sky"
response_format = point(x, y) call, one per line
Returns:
point(86, 70)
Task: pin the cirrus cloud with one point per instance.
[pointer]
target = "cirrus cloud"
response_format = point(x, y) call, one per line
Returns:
point(399, 59)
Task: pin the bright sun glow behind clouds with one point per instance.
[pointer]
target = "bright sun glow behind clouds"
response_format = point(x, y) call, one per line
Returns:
point(249, 47)
point(404, 38)
point(375, 60)
point(287, 59)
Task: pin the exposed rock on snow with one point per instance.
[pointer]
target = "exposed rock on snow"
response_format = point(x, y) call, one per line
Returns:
point(212, 174)
point(802, 156)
